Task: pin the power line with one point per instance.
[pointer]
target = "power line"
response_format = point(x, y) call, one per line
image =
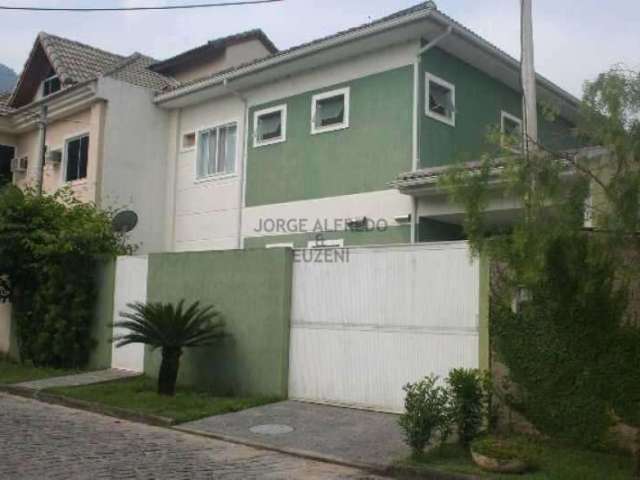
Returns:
point(141, 8)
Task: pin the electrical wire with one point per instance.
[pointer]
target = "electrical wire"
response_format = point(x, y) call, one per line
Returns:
point(133, 9)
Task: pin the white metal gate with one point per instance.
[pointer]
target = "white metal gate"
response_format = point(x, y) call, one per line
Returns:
point(377, 318)
point(130, 286)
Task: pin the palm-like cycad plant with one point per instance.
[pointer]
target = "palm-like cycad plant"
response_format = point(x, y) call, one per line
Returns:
point(171, 328)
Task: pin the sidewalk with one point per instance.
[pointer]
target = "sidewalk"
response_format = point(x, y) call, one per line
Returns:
point(77, 379)
point(342, 435)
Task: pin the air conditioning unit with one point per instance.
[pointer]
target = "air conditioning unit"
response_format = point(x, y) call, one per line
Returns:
point(54, 157)
point(19, 164)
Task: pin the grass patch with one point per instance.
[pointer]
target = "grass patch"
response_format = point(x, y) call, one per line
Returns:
point(551, 460)
point(14, 372)
point(139, 394)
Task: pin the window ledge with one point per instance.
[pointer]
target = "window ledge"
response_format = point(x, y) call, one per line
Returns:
point(77, 183)
point(215, 178)
point(332, 128)
point(266, 143)
point(441, 118)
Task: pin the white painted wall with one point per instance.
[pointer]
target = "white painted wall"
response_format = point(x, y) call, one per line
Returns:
point(207, 211)
point(133, 173)
point(362, 329)
point(378, 205)
point(389, 58)
point(130, 286)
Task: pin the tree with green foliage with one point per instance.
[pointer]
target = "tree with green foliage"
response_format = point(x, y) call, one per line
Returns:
point(172, 329)
point(572, 347)
point(49, 249)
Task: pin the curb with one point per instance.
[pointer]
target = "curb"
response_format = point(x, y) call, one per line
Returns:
point(370, 467)
point(117, 412)
point(397, 471)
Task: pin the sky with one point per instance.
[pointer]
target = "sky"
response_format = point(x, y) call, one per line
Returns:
point(574, 39)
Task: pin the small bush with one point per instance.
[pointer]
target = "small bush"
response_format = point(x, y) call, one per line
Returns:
point(467, 395)
point(426, 413)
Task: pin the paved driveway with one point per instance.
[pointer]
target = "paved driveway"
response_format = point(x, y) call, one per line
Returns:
point(356, 437)
point(42, 441)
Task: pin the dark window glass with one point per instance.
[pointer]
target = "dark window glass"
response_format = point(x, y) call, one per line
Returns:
point(330, 111)
point(51, 85)
point(6, 154)
point(77, 158)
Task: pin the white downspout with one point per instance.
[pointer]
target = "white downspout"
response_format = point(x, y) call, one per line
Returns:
point(244, 155)
point(416, 121)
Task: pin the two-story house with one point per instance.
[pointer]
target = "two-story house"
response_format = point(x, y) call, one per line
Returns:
point(317, 138)
point(105, 139)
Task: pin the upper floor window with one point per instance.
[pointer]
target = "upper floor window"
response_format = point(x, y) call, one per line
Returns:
point(510, 132)
point(330, 111)
point(216, 151)
point(440, 98)
point(76, 158)
point(51, 84)
point(270, 126)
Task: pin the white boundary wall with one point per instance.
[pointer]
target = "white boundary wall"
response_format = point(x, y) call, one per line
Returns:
point(130, 286)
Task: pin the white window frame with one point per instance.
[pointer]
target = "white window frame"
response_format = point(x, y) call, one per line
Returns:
point(65, 157)
point(346, 92)
point(217, 175)
point(48, 79)
point(429, 77)
point(283, 119)
point(506, 115)
point(279, 245)
point(333, 243)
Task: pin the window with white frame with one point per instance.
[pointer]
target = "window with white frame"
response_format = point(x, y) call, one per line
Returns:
point(336, 243)
point(440, 99)
point(216, 151)
point(330, 111)
point(76, 158)
point(270, 126)
point(51, 84)
point(510, 132)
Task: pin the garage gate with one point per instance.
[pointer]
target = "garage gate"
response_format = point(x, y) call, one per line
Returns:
point(371, 319)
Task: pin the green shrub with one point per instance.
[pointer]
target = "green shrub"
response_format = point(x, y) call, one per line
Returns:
point(467, 402)
point(426, 413)
point(49, 246)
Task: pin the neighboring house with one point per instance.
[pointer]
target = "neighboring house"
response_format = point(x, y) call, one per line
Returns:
point(324, 131)
point(105, 138)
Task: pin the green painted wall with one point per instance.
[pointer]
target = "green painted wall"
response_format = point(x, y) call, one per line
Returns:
point(479, 101)
point(252, 289)
point(394, 234)
point(102, 330)
point(362, 158)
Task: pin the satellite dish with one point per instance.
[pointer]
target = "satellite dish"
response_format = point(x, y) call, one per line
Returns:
point(125, 221)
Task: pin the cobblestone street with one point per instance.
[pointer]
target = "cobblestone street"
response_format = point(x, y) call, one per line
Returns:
point(42, 441)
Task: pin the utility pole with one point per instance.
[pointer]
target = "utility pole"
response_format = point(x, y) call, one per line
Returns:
point(528, 78)
point(42, 141)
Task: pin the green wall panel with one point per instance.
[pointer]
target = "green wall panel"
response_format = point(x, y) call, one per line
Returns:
point(395, 234)
point(361, 158)
point(101, 329)
point(479, 101)
point(252, 289)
